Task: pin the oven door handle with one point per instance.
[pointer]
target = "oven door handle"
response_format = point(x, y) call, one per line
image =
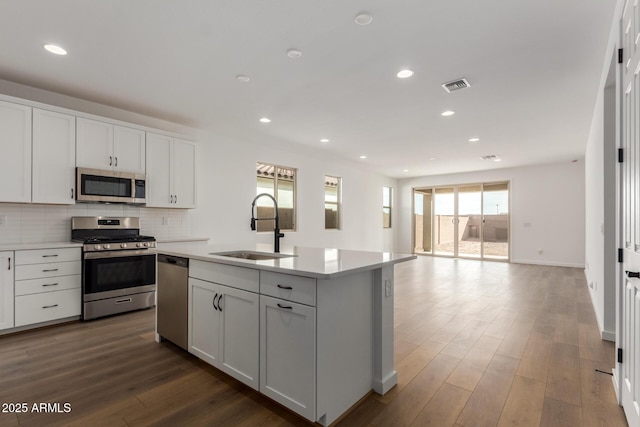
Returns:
point(117, 254)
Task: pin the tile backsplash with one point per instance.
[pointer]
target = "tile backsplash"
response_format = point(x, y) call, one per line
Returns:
point(33, 223)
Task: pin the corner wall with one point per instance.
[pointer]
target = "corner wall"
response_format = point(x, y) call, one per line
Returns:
point(546, 209)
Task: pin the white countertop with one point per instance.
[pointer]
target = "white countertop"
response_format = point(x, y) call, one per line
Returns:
point(29, 246)
point(320, 263)
point(182, 240)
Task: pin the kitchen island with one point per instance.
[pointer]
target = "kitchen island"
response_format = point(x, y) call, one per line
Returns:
point(311, 328)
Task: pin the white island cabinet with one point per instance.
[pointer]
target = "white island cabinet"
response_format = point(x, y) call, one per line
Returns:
point(224, 320)
point(312, 331)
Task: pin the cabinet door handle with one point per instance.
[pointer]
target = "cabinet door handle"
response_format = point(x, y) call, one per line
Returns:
point(214, 302)
point(288, 307)
point(116, 165)
point(170, 198)
point(49, 256)
point(633, 274)
point(219, 301)
point(72, 194)
point(50, 284)
point(285, 287)
point(175, 199)
point(124, 300)
point(110, 161)
point(9, 264)
point(49, 306)
point(50, 270)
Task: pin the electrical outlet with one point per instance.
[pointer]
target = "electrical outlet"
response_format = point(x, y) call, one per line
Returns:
point(591, 285)
point(387, 288)
point(3, 220)
point(165, 220)
point(540, 251)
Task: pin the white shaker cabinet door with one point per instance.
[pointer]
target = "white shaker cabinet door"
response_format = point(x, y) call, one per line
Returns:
point(184, 174)
point(129, 150)
point(204, 320)
point(159, 155)
point(239, 335)
point(94, 147)
point(54, 157)
point(6, 290)
point(15, 153)
point(288, 354)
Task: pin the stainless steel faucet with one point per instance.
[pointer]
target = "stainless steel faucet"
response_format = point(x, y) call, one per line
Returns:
point(276, 231)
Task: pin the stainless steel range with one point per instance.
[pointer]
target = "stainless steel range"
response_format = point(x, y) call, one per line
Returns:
point(118, 269)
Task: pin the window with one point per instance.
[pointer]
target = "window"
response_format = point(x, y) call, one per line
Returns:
point(386, 206)
point(279, 182)
point(332, 202)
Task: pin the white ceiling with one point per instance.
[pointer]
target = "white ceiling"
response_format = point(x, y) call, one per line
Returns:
point(534, 69)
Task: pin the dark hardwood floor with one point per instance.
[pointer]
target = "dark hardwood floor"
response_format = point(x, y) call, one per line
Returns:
point(477, 344)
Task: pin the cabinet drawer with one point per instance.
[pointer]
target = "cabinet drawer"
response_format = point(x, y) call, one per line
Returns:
point(52, 269)
point(48, 284)
point(47, 306)
point(40, 256)
point(286, 286)
point(229, 275)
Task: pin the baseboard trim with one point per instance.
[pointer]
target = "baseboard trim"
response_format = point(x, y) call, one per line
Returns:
point(548, 263)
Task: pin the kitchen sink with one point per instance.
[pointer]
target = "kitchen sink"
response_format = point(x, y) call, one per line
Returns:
point(253, 255)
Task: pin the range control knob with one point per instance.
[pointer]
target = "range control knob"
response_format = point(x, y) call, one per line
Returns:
point(97, 247)
point(106, 246)
point(139, 245)
point(146, 245)
point(123, 245)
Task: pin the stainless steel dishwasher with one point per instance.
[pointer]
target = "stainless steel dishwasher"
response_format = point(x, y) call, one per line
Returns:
point(173, 294)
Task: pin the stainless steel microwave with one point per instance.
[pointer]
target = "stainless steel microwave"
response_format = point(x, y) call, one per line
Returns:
point(105, 186)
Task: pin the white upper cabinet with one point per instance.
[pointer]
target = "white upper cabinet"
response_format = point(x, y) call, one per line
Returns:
point(171, 172)
point(15, 146)
point(129, 149)
point(54, 157)
point(102, 145)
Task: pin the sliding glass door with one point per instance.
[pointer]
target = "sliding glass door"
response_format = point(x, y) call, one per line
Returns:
point(470, 221)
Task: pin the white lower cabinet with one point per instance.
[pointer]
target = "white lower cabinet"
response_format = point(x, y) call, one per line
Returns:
point(224, 328)
point(288, 354)
point(47, 285)
point(6, 290)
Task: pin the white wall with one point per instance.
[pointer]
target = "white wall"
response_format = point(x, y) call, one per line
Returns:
point(227, 185)
point(546, 207)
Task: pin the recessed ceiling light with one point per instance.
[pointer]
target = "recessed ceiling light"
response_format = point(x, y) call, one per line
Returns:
point(497, 160)
point(324, 140)
point(474, 139)
point(265, 120)
point(433, 158)
point(242, 78)
point(405, 170)
point(294, 53)
point(404, 74)
point(448, 113)
point(363, 18)
point(363, 157)
point(55, 49)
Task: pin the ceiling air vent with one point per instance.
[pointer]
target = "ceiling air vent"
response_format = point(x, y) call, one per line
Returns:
point(456, 85)
point(489, 157)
